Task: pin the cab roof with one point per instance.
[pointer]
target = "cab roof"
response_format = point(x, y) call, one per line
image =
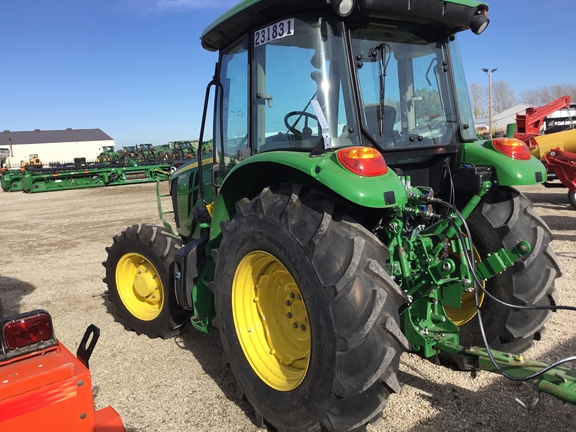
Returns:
point(248, 15)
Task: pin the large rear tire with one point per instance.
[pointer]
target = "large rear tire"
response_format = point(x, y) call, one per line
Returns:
point(505, 218)
point(139, 275)
point(308, 317)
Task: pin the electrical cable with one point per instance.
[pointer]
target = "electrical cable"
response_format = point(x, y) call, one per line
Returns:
point(478, 284)
point(509, 305)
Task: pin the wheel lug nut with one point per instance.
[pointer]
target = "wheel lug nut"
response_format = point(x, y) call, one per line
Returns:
point(298, 297)
point(295, 325)
point(288, 315)
point(303, 327)
point(287, 302)
point(291, 295)
point(306, 319)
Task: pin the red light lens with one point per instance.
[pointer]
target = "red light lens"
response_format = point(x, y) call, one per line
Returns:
point(364, 161)
point(27, 331)
point(512, 147)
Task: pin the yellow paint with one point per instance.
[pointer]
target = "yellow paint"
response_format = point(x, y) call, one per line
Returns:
point(271, 321)
point(139, 286)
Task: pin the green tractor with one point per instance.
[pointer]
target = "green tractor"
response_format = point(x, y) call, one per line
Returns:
point(357, 218)
point(128, 155)
point(206, 146)
point(182, 150)
point(108, 155)
point(146, 153)
point(163, 151)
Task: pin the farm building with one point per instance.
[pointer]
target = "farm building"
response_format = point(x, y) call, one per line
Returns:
point(53, 145)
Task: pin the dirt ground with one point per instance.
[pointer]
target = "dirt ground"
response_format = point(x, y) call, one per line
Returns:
point(53, 247)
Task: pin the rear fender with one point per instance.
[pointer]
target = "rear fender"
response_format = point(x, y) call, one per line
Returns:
point(509, 172)
point(249, 177)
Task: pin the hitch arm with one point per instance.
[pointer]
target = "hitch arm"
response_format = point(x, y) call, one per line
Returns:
point(559, 382)
point(501, 260)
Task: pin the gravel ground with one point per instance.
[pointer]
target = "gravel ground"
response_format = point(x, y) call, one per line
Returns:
point(54, 244)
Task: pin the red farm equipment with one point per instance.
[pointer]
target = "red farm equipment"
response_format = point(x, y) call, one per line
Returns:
point(556, 150)
point(43, 386)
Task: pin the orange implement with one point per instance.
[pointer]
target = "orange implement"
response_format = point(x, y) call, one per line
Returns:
point(50, 389)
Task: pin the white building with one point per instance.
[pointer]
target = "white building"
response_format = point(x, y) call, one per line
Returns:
point(52, 145)
point(561, 120)
point(500, 120)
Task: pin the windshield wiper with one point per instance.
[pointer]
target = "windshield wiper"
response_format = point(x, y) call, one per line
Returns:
point(382, 49)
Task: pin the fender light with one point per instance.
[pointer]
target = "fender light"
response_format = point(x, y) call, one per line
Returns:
point(25, 333)
point(364, 161)
point(512, 148)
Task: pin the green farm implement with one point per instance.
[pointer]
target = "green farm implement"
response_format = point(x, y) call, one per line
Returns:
point(87, 178)
point(348, 213)
point(87, 175)
point(11, 180)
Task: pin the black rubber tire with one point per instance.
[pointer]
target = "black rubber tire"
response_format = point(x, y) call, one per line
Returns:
point(158, 246)
point(505, 218)
point(351, 301)
point(572, 198)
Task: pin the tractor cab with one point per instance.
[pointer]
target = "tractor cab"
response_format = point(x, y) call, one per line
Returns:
point(318, 81)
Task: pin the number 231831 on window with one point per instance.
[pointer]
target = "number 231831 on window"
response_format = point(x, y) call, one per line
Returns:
point(273, 32)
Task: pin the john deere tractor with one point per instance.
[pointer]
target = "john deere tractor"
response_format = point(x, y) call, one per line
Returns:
point(128, 155)
point(350, 215)
point(146, 153)
point(108, 155)
point(183, 150)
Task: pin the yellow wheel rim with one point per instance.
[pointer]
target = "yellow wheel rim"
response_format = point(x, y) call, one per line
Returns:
point(271, 321)
point(139, 286)
point(467, 309)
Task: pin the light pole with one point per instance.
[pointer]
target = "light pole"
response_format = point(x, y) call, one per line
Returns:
point(489, 73)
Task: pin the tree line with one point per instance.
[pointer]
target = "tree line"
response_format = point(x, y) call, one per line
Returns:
point(503, 97)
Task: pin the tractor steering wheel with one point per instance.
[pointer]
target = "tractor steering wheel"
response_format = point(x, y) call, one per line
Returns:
point(306, 130)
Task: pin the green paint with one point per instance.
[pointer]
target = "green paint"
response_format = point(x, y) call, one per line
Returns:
point(250, 176)
point(510, 172)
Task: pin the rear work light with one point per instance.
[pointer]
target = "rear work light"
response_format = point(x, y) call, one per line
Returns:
point(26, 333)
point(512, 148)
point(364, 161)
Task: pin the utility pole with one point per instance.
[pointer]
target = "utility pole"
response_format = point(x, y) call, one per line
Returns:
point(489, 73)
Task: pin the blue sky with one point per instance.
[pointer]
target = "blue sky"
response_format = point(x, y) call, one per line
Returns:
point(136, 69)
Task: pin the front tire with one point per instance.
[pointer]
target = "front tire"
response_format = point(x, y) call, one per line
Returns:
point(308, 317)
point(505, 218)
point(140, 280)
